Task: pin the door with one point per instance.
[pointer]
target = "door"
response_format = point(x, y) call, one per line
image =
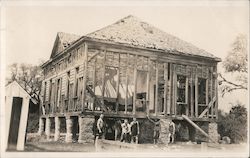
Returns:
point(14, 122)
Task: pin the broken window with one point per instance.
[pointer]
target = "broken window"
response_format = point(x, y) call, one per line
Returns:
point(67, 84)
point(202, 91)
point(110, 86)
point(181, 89)
point(130, 91)
point(123, 82)
point(58, 92)
point(50, 89)
point(76, 81)
point(44, 92)
point(141, 90)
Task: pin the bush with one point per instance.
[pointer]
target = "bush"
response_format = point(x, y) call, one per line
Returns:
point(234, 124)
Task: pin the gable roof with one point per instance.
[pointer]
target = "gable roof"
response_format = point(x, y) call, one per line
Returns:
point(63, 40)
point(16, 85)
point(131, 30)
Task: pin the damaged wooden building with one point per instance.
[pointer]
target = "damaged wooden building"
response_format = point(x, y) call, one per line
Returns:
point(125, 70)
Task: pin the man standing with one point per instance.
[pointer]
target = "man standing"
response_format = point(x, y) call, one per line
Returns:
point(171, 132)
point(125, 131)
point(118, 129)
point(100, 127)
point(134, 131)
point(157, 128)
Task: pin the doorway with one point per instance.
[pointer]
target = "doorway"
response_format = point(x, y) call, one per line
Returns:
point(14, 122)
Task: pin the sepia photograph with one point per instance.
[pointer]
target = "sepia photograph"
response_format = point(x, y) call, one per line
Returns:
point(124, 78)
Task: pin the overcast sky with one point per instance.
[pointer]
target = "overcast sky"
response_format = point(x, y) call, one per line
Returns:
point(31, 30)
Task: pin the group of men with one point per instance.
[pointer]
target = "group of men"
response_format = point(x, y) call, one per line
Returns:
point(129, 132)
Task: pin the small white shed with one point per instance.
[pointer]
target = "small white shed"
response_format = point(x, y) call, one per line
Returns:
point(17, 102)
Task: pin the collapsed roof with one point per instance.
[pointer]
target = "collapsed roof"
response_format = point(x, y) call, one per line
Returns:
point(132, 31)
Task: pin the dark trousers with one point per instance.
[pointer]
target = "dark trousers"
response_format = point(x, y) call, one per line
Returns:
point(125, 137)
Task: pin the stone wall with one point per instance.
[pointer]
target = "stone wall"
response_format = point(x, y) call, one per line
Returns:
point(85, 129)
point(213, 131)
point(163, 139)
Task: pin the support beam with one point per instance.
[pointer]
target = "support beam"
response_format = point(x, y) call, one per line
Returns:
point(135, 85)
point(170, 89)
point(148, 86)
point(57, 128)
point(165, 88)
point(196, 94)
point(69, 125)
point(186, 96)
point(174, 91)
point(211, 88)
point(117, 86)
point(103, 76)
point(156, 87)
point(126, 88)
point(94, 83)
point(192, 95)
point(198, 128)
point(85, 75)
point(216, 93)
point(207, 102)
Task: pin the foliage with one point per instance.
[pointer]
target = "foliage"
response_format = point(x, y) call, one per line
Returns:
point(236, 63)
point(234, 124)
point(28, 76)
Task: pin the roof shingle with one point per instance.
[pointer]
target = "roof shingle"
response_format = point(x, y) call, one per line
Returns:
point(131, 30)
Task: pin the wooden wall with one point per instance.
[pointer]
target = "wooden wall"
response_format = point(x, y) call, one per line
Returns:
point(118, 89)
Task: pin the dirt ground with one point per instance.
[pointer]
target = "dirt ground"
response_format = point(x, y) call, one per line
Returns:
point(90, 147)
point(36, 144)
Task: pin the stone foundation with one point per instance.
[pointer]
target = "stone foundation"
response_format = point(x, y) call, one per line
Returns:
point(48, 128)
point(213, 131)
point(57, 128)
point(41, 126)
point(69, 125)
point(163, 139)
point(85, 129)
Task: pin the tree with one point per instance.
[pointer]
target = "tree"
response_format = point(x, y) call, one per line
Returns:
point(28, 76)
point(236, 63)
point(234, 124)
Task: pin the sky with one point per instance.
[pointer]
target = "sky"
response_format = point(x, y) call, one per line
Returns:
point(30, 30)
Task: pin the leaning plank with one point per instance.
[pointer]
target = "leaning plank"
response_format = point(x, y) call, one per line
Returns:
point(97, 52)
point(198, 128)
point(208, 107)
point(97, 100)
